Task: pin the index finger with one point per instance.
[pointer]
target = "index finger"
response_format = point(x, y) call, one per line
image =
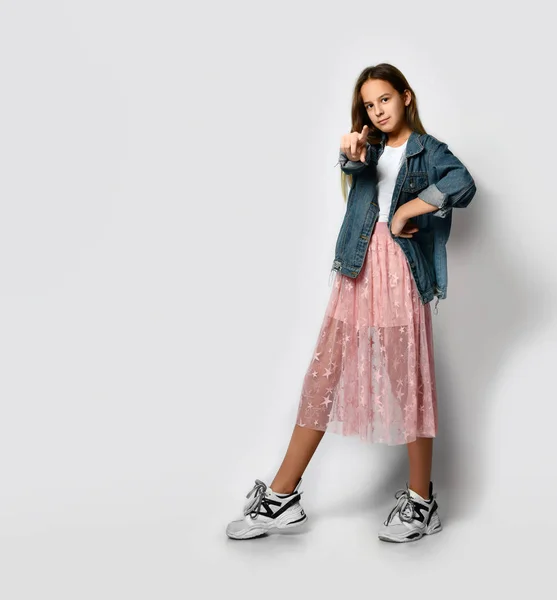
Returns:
point(363, 134)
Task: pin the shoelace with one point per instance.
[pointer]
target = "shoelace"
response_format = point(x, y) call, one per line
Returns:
point(404, 507)
point(258, 490)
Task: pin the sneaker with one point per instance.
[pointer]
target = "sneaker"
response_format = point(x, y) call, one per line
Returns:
point(267, 511)
point(412, 517)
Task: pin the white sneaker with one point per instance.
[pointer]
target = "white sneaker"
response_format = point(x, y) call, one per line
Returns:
point(267, 511)
point(412, 517)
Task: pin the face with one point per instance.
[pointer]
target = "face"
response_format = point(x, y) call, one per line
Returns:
point(383, 103)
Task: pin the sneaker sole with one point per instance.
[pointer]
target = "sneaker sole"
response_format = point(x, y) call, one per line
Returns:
point(291, 522)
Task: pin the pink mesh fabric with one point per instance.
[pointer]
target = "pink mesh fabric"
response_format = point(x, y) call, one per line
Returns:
point(372, 372)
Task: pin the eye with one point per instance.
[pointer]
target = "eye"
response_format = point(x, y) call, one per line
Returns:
point(370, 105)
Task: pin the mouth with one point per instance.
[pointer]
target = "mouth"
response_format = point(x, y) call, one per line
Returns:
point(383, 121)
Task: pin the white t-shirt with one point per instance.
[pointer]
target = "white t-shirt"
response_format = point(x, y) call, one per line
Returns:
point(388, 167)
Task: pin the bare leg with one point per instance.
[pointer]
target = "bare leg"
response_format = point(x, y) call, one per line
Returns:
point(303, 444)
point(420, 454)
point(420, 451)
point(320, 381)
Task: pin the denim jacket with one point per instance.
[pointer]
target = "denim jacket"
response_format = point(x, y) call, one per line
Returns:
point(430, 171)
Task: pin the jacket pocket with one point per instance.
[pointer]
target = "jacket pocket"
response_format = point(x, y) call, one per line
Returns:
point(415, 182)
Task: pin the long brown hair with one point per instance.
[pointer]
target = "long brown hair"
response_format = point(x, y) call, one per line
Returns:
point(360, 117)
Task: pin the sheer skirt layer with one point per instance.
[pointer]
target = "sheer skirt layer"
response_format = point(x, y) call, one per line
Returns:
point(372, 372)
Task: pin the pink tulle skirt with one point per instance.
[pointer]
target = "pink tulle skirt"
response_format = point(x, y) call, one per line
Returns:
point(372, 372)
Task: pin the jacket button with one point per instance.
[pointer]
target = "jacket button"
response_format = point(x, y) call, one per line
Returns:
point(354, 273)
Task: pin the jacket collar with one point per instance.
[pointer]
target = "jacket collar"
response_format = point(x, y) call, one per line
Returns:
point(414, 145)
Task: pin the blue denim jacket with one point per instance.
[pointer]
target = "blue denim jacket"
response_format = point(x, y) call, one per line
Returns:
point(430, 171)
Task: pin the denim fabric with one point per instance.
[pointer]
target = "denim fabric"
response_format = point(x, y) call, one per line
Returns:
point(430, 171)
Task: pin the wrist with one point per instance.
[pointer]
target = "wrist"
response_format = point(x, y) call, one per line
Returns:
point(404, 211)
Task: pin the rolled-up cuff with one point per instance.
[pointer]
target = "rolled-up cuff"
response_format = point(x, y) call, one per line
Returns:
point(354, 164)
point(433, 195)
point(350, 164)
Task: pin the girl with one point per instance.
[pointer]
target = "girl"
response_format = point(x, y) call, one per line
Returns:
point(372, 371)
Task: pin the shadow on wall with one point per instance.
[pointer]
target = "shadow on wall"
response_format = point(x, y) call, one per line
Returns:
point(491, 310)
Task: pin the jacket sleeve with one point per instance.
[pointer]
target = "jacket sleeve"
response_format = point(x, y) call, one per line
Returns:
point(350, 167)
point(454, 187)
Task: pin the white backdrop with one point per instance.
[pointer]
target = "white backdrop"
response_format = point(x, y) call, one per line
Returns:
point(170, 206)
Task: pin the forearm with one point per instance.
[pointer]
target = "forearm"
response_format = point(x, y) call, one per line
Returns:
point(416, 207)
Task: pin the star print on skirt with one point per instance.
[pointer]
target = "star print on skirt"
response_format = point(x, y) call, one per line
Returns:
point(372, 372)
